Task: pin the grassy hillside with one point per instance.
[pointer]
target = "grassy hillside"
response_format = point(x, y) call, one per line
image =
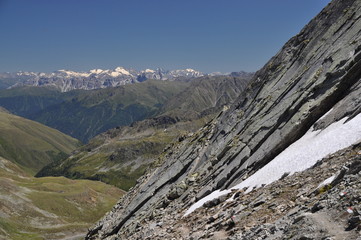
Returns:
point(31, 144)
point(84, 114)
point(51, 207)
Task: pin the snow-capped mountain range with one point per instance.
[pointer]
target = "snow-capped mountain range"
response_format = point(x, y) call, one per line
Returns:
point(67, 80)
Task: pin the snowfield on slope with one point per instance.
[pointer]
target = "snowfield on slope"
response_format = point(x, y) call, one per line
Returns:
point(299, 156)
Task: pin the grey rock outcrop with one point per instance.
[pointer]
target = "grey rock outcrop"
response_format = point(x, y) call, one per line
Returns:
point(316, 72)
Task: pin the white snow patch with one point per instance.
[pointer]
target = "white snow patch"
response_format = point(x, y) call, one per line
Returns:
point(213, 195)
point(74, 74)
point(305, 152)
point(121, 70)
point(115, 74)
point(96, 71)
point(299, 156)
point(327, 181)
point(149, 71)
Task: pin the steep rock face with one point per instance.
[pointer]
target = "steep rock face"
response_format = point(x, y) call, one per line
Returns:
point(316, 71)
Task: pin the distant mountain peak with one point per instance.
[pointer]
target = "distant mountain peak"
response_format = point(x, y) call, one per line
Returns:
point(96, 71)
point(149, 70)
point(121, 70)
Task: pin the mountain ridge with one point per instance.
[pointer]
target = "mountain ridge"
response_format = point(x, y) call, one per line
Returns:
point(67, 80)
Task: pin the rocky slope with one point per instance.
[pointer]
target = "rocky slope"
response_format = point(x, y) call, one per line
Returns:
point(316, 72)
point(296, 207)
point(65, 80)
point(121, 155)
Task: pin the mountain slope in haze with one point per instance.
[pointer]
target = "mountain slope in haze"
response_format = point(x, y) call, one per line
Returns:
point(310, 90)
point(27, 101)
point(120, 156)
point(205, 95)
point(83, 114)
point(91, 113)
point(49, 208)
point(32, 145)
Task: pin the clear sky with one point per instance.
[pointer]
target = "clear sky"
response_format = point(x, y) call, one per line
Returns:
point(207, 35)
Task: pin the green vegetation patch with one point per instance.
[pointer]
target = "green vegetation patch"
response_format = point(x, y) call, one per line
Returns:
point(74, 201)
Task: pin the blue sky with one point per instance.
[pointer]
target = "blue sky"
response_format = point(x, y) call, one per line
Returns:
point(207, 35)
